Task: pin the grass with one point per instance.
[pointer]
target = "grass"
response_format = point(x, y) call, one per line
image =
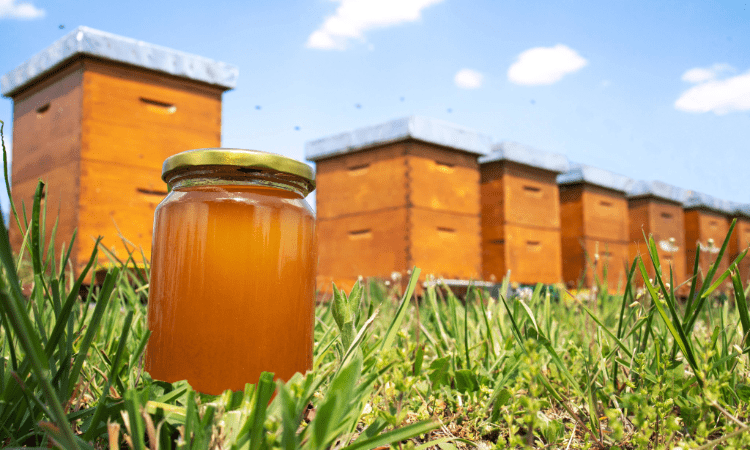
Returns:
point(544, 369)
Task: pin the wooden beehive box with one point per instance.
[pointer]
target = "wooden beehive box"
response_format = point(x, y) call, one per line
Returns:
point(521, 214)
point(741, 240)
point(706, 224)
point(594, 226)
point(94, 117)
point(397, 195)
point(655, 209)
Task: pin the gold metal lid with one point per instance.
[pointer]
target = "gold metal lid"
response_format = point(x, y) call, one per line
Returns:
point(241, 159)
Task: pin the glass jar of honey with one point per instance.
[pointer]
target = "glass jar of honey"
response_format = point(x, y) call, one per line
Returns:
point(233, 270)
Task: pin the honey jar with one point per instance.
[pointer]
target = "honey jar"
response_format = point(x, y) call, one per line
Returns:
point(233, 270)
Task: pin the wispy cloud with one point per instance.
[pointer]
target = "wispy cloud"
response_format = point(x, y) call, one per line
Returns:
point(713, 93)
point(701, 74)
point(13, 9)
point(468, 79)
point(354, 17)
point(545, 65)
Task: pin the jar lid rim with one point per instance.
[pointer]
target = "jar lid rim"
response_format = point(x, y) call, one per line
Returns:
point(237, 157)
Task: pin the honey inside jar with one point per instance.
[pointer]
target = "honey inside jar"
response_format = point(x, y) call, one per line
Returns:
point(232, 284)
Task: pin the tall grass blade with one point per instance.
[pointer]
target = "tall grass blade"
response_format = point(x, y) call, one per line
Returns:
point(93, 327)
point(741, 302)
point(675, 328)
point(394, 436)
point(395, 325)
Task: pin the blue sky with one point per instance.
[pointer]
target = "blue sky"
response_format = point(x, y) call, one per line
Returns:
point(651, 90)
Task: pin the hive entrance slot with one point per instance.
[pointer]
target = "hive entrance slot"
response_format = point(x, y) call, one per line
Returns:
point(534, 246)
point(42, 109)
point(532, 191)
point(158, 107)
point(666, 215)
point(446, 231)
point(151, 191)
point(605, 203)
point(445, 167)
point(360, 234)
point(359, 169)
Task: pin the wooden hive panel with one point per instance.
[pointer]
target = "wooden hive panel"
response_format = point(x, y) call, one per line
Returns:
point(665, 221)
point(639, 220)
point(739, 243)
point(361, 182)
point(494, 265)
point(580, 262)
point(668, 230)
point(518, 200)
point(60, 198)
point(137, 117)
point(47, 124)
point(534, 255)
point(573, 260)
point(442, 179)
point(701, 226)
point(492, 192)
point(492, 195)
point(532, 197)
point(114, 200)
point(605, 214)
point(571, 212)
point(571, 232)
point(593, 218)
point(445, 244)
point(371, 244)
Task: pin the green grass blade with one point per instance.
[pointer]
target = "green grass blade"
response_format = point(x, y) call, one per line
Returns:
point(486, 323)
point(715, 266)
point(693, 284)
point(394, 436)
point(617, 340)
point(137, 427)
point(113, 375)
point(102, 301)
point(36, 244)
point(514, 326)
point(395, 325)
point(7, 178)
point(741, 303)
point(466, 330)
point(674, 328)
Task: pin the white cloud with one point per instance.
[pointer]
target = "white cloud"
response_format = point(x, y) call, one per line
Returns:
point(545, 65)
point(354, 17)
point(701, 74)
point(13, 9)
point(721, 96)
point(468, 79)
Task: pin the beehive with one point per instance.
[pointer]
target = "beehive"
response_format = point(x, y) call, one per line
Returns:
point(655, 209)
point(706, 224)
point(94, 116)
point(594, 226)
point(741, 240)
point(397, 195)
point(521, 214)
